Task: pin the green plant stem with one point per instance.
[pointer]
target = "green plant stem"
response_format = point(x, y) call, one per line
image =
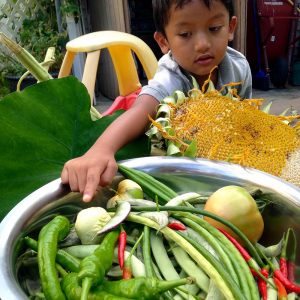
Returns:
point(25, 58)
point(27, 73)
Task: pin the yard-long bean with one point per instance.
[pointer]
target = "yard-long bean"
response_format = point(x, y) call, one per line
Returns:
point(206, 265)
point(181, 209)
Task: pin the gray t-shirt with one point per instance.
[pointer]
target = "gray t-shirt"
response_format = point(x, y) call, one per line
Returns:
point(170, 77)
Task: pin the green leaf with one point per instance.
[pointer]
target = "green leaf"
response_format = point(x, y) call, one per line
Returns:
point(43, 127)
point(266, 108)
point(173, 150)
point(191, 150)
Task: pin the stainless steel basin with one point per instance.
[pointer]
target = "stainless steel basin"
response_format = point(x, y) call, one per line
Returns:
point(181, 174)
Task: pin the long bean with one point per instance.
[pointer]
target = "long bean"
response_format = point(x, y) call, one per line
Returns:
point(248, 244)
point(190, 267)
point(148, 261)
point(236, 291)
point(147, 253)
point(206, 265)
point(242, 263)
point(215, 244)
point(241, 275)
point(162, 259)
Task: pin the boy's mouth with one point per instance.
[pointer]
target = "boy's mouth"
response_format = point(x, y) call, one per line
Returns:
point(204, 59)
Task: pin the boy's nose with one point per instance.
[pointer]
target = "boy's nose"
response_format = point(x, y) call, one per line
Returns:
point(202, 43)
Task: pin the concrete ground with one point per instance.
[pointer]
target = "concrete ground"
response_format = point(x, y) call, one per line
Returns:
point(281, 99)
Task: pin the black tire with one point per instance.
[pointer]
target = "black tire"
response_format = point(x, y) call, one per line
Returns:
point(279, 71)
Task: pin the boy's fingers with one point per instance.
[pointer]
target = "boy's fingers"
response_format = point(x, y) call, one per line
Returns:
point(92, 182)
point(108, 174)
point(64, 177)
point(73, 182)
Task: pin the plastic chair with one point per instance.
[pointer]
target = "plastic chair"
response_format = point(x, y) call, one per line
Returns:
point(119, 45)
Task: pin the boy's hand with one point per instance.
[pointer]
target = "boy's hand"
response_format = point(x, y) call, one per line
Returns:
point(89, 173)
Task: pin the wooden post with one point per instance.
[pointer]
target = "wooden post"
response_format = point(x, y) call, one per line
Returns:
point(240, 10)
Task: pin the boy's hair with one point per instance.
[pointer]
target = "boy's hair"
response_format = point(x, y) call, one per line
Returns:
point(161, 10)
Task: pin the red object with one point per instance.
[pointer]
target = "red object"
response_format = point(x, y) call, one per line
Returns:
point(262, 285)
point(127, 272)
point(291, 271)
point(122, 102)
point(282, 259)
point(286, 282)
point(282, 294)
point(122, 245)
point(245, 255)
point(277, 26)
point(283, 266)
point(291, 259)
point(176, 226)
point(254, 274)
point(237, 245)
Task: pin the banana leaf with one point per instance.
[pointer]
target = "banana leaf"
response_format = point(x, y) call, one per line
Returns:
point(41, 128)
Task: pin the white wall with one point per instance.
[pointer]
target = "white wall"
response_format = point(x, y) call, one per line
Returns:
point(3, 21)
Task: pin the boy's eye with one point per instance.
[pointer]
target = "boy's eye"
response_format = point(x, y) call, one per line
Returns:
point(185, 34)
point(217, 28)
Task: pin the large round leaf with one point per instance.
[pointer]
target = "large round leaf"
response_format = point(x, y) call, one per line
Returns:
point(41, 128)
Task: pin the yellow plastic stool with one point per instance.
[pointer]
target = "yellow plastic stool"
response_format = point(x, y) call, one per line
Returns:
point(119, 45)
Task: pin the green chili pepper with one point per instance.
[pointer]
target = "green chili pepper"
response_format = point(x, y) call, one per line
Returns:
point(49, 236)
point(64, 258)
point(94, 267)
point(72, 290)
point(142, 288)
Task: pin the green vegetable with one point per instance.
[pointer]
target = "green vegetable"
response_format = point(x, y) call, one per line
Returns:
point(89, 221)
point(94, 267)
point(62, 257)
point(48, 239)
point(235, 288)
point(203, 263)
point(150, 185)
point(142, 288)
point(72, 290)
point(127, 189)
point(189, 266)
point(181, 209)
point(123, 209)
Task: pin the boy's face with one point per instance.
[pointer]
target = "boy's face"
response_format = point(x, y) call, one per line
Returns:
point(198, 36)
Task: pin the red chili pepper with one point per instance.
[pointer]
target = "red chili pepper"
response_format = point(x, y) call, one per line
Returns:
point(122, 245)
point(253, 273)
point(262, 285)
point(127, 265)
point(176, 226)
point(282, 294)
point(292, 258)
point(245, 255)
point(278, 274)
point(282, 259)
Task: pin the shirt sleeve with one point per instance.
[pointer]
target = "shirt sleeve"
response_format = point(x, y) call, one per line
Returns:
point(164, 83)
point(168, 79)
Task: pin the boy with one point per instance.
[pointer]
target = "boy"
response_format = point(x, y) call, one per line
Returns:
point(193, 35)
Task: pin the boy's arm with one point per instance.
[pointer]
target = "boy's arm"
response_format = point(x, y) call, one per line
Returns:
point(97, 167)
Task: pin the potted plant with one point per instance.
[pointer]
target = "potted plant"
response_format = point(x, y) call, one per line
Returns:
point(38, 33)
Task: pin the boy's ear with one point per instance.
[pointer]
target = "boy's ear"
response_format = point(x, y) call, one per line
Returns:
point(162, 42)
point(232, 26)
